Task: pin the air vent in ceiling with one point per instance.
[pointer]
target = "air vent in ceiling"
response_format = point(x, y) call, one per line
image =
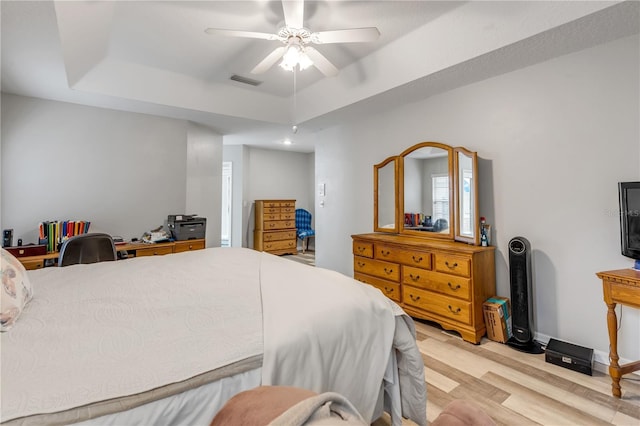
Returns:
point(245, 80)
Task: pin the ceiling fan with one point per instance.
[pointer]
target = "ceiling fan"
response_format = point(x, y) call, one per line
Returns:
point(297, 39)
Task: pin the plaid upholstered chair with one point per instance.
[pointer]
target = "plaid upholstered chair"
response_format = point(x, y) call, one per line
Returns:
point(303, 227)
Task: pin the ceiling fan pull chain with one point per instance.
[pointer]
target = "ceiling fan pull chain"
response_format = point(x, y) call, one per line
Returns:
point(295, 104)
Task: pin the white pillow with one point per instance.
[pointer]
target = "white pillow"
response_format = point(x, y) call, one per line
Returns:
point(16, 290)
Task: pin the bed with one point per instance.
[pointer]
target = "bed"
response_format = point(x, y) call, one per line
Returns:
point(168, 340)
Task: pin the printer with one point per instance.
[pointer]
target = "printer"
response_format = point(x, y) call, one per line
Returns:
point(186, 227)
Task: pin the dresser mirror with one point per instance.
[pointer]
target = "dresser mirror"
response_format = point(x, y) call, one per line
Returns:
point(385, 194)
point(427, 193)
point(466, 223)
point(429, 190)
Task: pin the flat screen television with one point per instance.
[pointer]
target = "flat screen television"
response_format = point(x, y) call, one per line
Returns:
point(629, 193)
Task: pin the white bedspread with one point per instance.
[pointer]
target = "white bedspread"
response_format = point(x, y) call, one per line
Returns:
point(335, 335)
point(94, 332)
point(101, 331)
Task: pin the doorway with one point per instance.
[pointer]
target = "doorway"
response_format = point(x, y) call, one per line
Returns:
point(227, 191)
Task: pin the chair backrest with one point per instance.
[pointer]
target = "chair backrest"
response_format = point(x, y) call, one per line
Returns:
point(303, 219)
point(87, 248)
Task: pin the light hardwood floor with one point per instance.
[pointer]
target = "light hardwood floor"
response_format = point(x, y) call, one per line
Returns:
point(516, 388)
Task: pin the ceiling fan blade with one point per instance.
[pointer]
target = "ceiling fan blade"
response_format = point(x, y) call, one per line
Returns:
point(354, 35)
point(320, 62)
point(293, 13)
point(268, 62)
point(238, 33)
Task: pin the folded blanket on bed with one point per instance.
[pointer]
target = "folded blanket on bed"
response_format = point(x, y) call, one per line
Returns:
point(287, 406)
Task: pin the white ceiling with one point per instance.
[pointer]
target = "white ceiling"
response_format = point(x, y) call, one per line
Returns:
point(154, 56)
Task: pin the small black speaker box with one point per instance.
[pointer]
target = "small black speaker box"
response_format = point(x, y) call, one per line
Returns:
point(568, 355)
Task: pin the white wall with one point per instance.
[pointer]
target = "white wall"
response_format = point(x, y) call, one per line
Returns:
point(554, 140)
point(125, 172)
point(204, 179)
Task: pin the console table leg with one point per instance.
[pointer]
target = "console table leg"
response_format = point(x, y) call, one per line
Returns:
point(614, 367)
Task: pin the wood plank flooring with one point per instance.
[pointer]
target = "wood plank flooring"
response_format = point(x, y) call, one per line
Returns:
point(516, 388)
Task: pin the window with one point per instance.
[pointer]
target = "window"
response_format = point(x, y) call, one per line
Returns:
point(440, 191)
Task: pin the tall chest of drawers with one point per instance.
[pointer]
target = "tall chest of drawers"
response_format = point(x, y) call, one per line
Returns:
point(275, 226)
point(441, 281)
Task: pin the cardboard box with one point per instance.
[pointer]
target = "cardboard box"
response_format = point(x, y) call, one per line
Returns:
point(497, 318)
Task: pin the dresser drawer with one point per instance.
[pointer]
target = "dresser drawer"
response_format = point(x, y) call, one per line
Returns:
point(388, 288)
point(188, 245)
point(278, 236)
point(271, 216)
point(279, 245)
point(361, 248)
point(452, 264)
point(407, 257)
point(291, 204)
point(377, 268)
point(437, 304)
point(291, 210)
point(279, 224)
point(448, 284)
point(154, 251)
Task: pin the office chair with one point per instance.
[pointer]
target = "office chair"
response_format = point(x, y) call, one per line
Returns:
point(303, 227)
point(440, 225)
point(87, 248)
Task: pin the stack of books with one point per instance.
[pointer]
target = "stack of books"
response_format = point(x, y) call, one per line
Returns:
point(54, 233)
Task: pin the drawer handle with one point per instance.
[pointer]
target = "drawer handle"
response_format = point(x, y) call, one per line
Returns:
point(414, 298)
point(361, 264)
point(457, 287)
point(385, 253)
point(455, 265)
point(388, 290)
point(190, 247)
point(418, 260)
point(416, 278)
point(361, 249)
point(271, 225)
point(388, 271)
point(455, 312)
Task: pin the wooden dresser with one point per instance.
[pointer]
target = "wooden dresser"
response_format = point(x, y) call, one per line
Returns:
point(275, 228)
point(441, 281)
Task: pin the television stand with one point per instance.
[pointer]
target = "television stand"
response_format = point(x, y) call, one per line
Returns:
point(620, 286)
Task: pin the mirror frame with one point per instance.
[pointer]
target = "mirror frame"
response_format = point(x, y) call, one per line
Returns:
point(475, 239)
point(376, 169)
point(400, 199)
point(454, 195)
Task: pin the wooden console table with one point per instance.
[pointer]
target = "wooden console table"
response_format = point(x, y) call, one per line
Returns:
point(620, 286)
point(132, 249)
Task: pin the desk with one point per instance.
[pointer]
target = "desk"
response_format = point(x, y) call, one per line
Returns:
point(132, 249)
point(620, 286)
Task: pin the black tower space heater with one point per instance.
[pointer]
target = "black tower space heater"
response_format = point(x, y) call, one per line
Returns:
point(521, 297)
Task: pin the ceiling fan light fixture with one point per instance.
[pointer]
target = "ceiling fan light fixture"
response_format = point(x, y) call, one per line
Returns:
point(292, 57)
point(304, 61)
